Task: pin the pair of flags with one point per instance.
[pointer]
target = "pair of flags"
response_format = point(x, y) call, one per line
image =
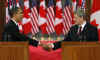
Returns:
point(47, 20)
point(51, 21)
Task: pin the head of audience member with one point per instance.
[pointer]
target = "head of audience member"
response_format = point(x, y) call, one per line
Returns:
point(79, 17)
point(16, 14)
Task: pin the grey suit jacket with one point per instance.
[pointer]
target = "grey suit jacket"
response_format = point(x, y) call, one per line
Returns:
point(89, 33)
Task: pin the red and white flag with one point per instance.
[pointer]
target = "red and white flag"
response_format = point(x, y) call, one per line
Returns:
point(67, 17)
point(42, 17)
point(95, 16)
point(7, 12)
point(74, 5)
point(50, 17)
point(58, 18)
point(26, 19)
point(34, 17)
point(9, 5)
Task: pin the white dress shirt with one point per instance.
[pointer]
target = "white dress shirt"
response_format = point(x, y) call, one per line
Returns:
point(83, 25)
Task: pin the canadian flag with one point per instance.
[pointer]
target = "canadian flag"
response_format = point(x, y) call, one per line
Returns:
point(80, 2)
point(95, 15)
point(58, 18)
point(74, 5)
point(26, 19)
point(42, 17)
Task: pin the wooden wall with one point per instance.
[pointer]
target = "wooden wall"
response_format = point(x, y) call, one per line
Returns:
point(2, 16)
point(14, 51)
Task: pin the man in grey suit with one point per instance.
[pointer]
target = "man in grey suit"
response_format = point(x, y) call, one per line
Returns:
point(82, 31)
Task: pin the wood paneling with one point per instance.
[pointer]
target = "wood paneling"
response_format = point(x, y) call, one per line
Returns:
point(2, 16)
point(14, 51)
point(80, 51)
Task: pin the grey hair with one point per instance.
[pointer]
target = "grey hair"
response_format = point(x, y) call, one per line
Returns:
point(80, 12)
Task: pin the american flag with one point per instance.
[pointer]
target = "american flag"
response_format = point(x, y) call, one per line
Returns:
point(50, 17)
point(67, 17)
point(58, 18)
point(83, 6)
point(78, 4)
point(7, 11)
point(34, 17)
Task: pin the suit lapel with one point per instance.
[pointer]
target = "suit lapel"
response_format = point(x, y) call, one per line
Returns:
point(15, 26)
point(85, 28)
point(76, 29)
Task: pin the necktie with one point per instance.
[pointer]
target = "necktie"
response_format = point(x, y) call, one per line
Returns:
point(79, 30)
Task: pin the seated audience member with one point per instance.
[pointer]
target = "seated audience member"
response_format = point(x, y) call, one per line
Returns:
point(82, 31)
point(11, 30)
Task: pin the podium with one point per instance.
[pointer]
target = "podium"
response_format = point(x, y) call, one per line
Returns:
point(14, 51)
point(80, 51)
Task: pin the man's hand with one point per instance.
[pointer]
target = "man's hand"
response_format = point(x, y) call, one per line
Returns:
point(34, 38)
point(46, 47)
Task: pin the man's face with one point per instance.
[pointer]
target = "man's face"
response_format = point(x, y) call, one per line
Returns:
point(78, 20)
point(19, 15)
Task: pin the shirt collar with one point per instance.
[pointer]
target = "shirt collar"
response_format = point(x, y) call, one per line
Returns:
point(84, 23)
point(14, 21)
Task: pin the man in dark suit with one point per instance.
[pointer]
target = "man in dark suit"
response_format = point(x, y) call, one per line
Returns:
point(82, 31)
point(11, 30)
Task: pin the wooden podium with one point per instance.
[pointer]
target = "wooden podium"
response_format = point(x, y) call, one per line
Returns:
point(14, 51)
point(80, 51)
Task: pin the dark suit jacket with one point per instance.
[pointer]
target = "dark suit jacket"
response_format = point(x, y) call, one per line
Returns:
point(11, 33)
point(89, 33)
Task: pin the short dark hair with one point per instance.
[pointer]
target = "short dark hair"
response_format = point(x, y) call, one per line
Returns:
point(13, 11)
